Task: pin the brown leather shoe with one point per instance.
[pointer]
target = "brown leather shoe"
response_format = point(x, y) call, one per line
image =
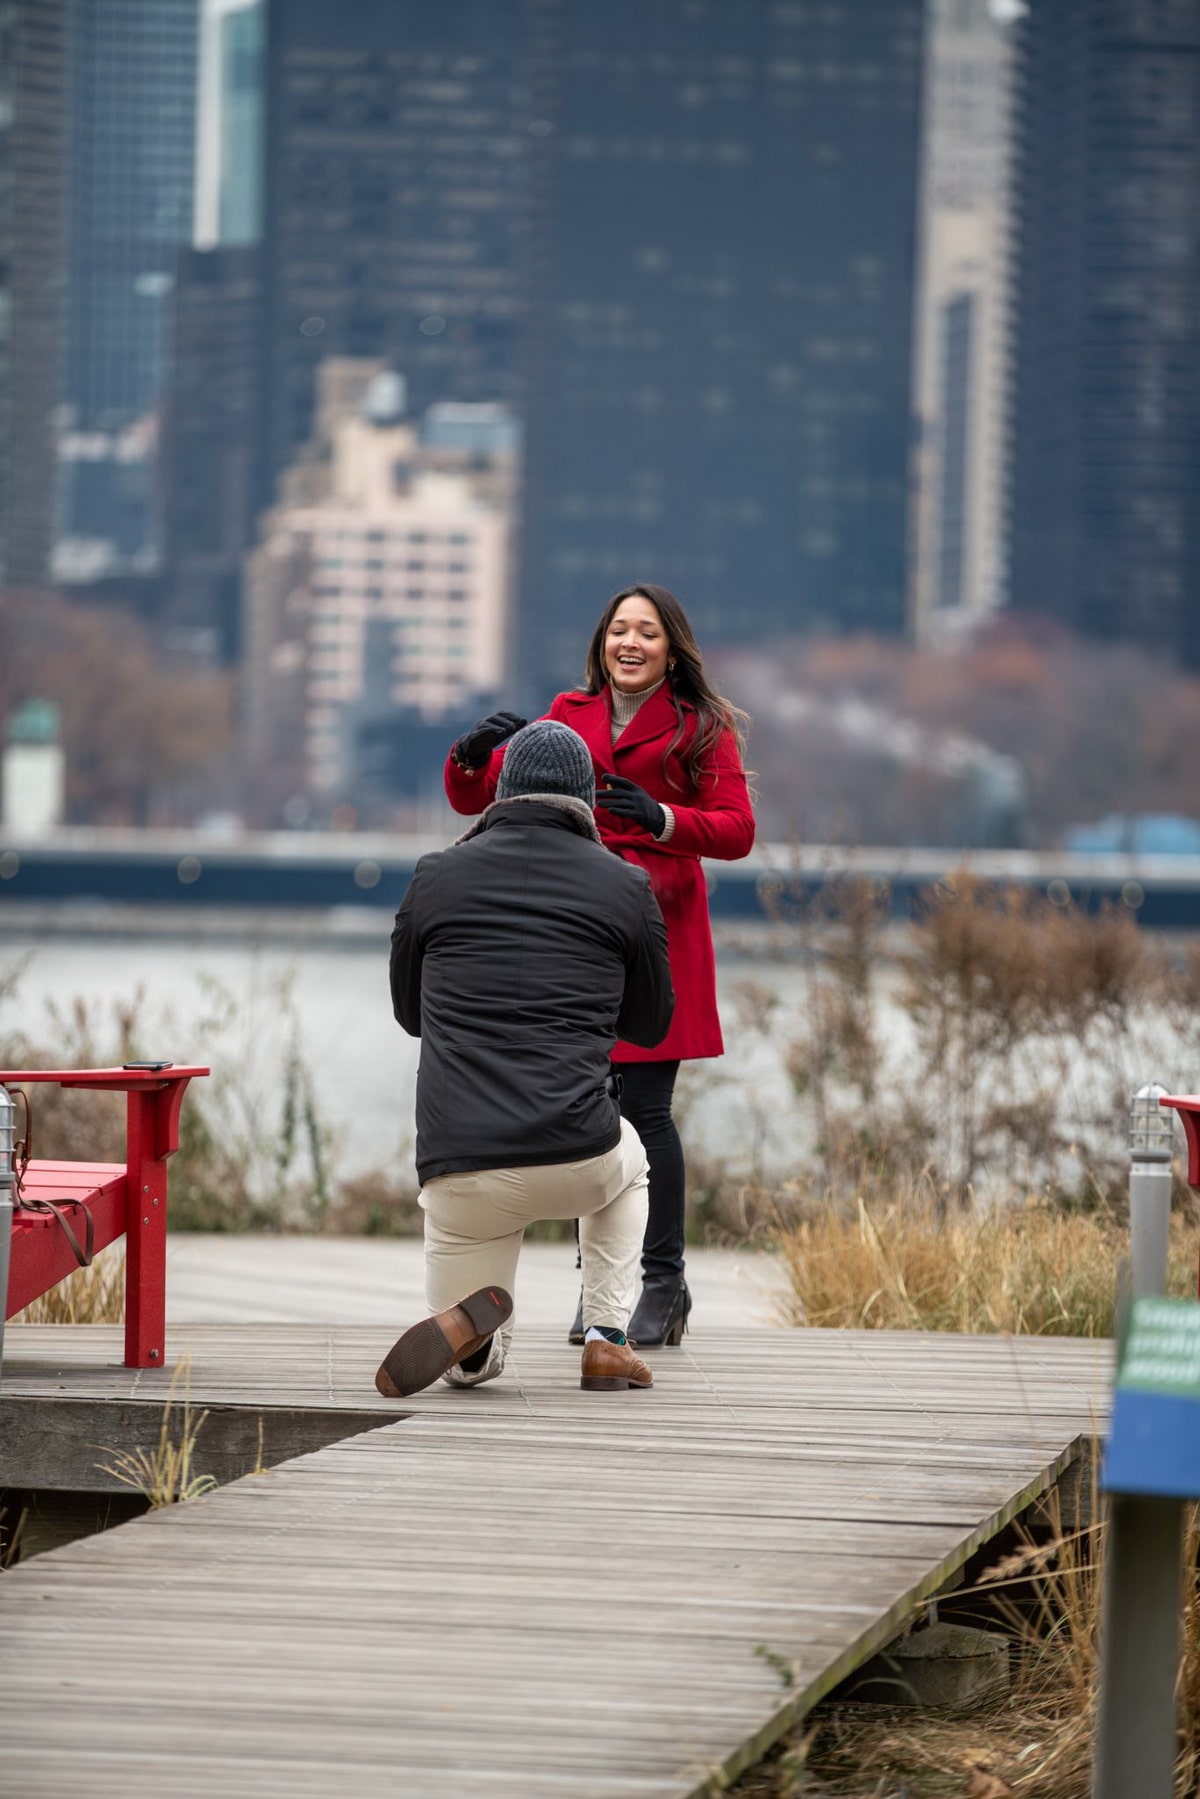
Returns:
point(424, 1353)
point(611, 1367)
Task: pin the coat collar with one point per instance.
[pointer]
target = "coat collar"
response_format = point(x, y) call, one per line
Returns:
point(546, 809)
point(591, 716)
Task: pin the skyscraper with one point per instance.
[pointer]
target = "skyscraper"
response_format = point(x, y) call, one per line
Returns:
point(229, 124)
point(395, 200)
point(132, 110)
point(212, 412)
point(210, 446)
point(961, 341)
point(33, 122)
point(239, 202)
point(1105, 448)
point(719, 396)
point(677, 240)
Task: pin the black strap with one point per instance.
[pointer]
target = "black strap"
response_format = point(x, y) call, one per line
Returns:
point(82, 1253)
point(22, 1146)
point(21, 1152)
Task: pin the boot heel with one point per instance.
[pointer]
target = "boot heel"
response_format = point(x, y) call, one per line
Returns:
point(661, 1312)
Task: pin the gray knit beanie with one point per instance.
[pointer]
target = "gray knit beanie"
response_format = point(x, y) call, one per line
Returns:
point(547, 757)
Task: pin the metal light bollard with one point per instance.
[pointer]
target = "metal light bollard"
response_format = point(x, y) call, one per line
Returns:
point(7, 1115)
point(1151, 1148)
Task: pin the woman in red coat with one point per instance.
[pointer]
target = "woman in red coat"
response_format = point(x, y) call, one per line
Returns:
point(670, 789)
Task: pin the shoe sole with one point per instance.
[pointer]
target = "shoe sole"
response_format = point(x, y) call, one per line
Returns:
point(424, 1353)
point(613, 1383)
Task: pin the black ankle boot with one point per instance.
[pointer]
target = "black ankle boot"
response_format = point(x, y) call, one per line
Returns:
point(661, 1314)
point(576, 1333)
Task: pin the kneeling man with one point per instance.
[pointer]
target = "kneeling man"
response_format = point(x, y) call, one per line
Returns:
point(519, 956)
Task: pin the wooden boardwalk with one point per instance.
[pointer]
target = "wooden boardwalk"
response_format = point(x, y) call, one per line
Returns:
point(521, 1590)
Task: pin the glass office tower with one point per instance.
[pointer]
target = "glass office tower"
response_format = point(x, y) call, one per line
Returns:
point(1105, 447)
point(395, 200)
point(33, 123)
point(676, 239)
point(132, 157)
point(725, 200)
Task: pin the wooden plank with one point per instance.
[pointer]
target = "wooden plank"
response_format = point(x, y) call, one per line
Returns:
point(381, 1281)
point(70, 1445)
point(524, 1589)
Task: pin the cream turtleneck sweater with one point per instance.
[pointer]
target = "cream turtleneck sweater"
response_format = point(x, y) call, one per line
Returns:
point(625, 707)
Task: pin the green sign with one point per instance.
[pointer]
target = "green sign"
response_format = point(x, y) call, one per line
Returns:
point(34, 721)
point(1160, 1348)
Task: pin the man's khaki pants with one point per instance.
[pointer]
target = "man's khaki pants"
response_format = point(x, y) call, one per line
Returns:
point(474, 1224)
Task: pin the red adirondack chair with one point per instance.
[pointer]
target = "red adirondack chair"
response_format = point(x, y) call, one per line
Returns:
point(65, 1211)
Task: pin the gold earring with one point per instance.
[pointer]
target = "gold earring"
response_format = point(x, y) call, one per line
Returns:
point(671, 665)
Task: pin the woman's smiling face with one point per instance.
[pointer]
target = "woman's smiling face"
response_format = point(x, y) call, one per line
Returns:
point(636, 647)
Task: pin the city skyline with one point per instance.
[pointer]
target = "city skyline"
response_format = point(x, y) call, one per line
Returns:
point(833, 318)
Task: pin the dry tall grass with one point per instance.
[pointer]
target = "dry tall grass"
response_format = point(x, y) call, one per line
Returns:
point(1028, 1269)
point(94, 1295)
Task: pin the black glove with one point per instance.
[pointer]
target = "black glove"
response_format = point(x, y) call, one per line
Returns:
point(628, 800)
point(476, 745)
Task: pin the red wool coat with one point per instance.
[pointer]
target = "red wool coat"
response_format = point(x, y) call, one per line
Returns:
point(714, 819)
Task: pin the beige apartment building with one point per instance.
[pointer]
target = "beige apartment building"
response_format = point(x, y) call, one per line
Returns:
point(381, 581)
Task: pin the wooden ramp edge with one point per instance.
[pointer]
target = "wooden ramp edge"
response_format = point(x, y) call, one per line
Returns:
point(547, 1593)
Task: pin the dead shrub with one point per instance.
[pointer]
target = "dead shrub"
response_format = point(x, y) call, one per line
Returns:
point(247, 1160)
point(381, 1203)
point(1025, 1028)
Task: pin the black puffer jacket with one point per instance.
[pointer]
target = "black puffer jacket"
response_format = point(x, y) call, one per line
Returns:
point(519, 956)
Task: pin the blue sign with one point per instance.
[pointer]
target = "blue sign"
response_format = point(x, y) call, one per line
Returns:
point(1154, 1437)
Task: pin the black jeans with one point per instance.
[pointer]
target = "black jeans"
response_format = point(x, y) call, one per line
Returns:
point(646, 1092)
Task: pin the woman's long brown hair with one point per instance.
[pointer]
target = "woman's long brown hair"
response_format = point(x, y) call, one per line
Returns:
point(686, 681)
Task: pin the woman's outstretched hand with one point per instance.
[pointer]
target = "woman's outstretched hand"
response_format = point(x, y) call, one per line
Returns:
point(627, 800)
point(476, 745)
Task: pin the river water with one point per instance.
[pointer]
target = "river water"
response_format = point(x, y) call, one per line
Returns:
point(249, 994)
point(241, 997)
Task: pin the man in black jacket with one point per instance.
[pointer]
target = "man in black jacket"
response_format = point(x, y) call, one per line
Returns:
point(519, 956)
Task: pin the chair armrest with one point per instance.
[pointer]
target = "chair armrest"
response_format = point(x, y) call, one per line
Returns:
point(1188, 1107)
point(116, 1080)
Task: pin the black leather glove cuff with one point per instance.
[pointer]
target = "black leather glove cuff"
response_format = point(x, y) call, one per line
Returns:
point(625, 799)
